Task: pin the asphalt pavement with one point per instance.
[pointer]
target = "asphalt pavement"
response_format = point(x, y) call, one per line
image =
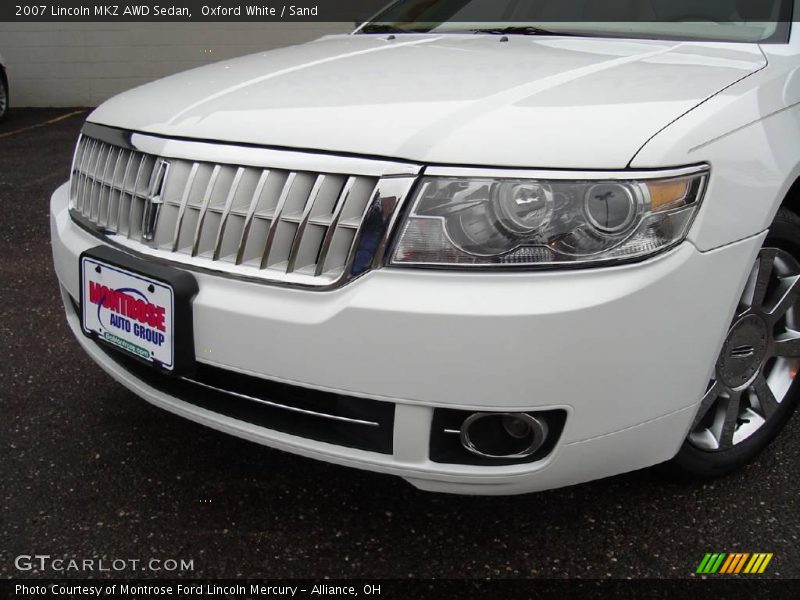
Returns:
point(88, 470)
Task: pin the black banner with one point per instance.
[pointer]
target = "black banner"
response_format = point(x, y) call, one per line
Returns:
point(190, 10)
point(241, 589)
point(401, 11)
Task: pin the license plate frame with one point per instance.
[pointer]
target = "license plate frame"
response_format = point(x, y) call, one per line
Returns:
point(138, 308)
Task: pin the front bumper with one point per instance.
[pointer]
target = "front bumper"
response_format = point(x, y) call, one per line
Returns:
point(625, 351)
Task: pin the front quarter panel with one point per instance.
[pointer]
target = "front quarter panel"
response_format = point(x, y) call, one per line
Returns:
point(749, 135)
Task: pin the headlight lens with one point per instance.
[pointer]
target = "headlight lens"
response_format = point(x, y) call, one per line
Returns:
point(460, 221)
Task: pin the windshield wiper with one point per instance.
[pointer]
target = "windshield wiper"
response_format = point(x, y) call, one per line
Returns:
point(523, 30)
point(385, 28)
point(511, 30)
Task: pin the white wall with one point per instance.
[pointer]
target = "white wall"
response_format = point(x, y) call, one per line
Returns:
point(82, 64)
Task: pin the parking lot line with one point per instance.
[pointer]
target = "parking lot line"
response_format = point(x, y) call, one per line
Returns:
point(43, 124)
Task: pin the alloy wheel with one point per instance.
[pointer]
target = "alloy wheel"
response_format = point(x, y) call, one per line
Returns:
point(759, 360)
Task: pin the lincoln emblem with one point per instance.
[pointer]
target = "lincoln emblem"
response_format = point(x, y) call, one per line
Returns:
point(153, 200)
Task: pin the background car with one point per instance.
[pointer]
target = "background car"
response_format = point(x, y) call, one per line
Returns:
point(3, 89)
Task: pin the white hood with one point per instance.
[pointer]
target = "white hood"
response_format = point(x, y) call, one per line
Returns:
point(454, 99)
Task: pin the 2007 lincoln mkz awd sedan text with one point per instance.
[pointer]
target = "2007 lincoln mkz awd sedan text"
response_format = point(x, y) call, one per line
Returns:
point(489, 260)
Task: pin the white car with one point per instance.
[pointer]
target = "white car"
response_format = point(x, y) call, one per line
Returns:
point(488, 259)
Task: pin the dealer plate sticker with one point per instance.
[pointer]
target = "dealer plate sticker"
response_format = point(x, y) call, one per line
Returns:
point(128, 310)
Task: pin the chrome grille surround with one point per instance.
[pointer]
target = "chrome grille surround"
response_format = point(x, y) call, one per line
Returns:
point(279, 216)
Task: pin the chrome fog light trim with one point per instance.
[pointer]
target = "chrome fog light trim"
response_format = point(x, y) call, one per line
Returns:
point(521, 429)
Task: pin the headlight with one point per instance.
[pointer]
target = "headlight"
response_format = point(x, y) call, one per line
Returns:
point(463, 221)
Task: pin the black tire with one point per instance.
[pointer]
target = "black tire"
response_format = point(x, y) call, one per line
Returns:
point(691, 461)
point(4, 92)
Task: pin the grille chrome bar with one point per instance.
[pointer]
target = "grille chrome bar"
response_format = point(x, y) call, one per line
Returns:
point(283, 217)
point(276, 219)
point(132, 207)
point(102, 148)
point(312, 413)
point(184, 200)
point(103, 189)
point(204, 208)
point(251, 211)
point(121, 199)
point(113, 187)
point(298, 236)
point(80, 148)
point(82, 181)
point(337, 213)
point(226, 212)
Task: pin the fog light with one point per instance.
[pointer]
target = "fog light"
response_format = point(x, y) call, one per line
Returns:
point(516, 426)
point(503, 435)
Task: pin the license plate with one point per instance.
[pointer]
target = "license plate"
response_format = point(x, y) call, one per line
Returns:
point(133, 307)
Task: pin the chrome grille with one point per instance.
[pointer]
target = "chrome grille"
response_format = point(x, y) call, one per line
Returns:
point(284, 224)
point(104, 196)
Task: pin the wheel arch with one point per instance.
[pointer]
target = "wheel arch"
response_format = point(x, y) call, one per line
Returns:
point(791, 199)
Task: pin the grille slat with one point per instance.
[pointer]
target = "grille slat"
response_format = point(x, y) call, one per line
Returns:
point(301, 227)
point(112, 189)
point(132, 206)
point(77, 157)
point(80, 189)
point(226, 211)
point(101, 148)
point(86, 191)
point(251, 211)
point(276, 219)
point(204, 208)
point(101, 186)
point(337, 211)
point(273, 222)
point(187, 190)
point(356, 223)
point(121, 198)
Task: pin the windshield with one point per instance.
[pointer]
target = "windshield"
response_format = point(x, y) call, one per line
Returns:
point(710, 20)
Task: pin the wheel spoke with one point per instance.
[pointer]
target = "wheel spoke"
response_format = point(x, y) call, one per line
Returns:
point(757, 287)
point(790, 289)
point(707, 402)
point(731, 419)
point(766, 399)
point(788, 348)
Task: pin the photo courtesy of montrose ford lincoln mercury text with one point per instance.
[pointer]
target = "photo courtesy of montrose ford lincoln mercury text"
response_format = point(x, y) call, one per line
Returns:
point(489, 255)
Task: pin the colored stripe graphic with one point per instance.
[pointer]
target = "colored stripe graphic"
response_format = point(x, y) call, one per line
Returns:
point(711, 563)
point(703, 564)
point(737, 566)
point(715, 567)
point(740, 566)
point(734, 563)
point(765, 563)
point(754, 564)
point(729, 562)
